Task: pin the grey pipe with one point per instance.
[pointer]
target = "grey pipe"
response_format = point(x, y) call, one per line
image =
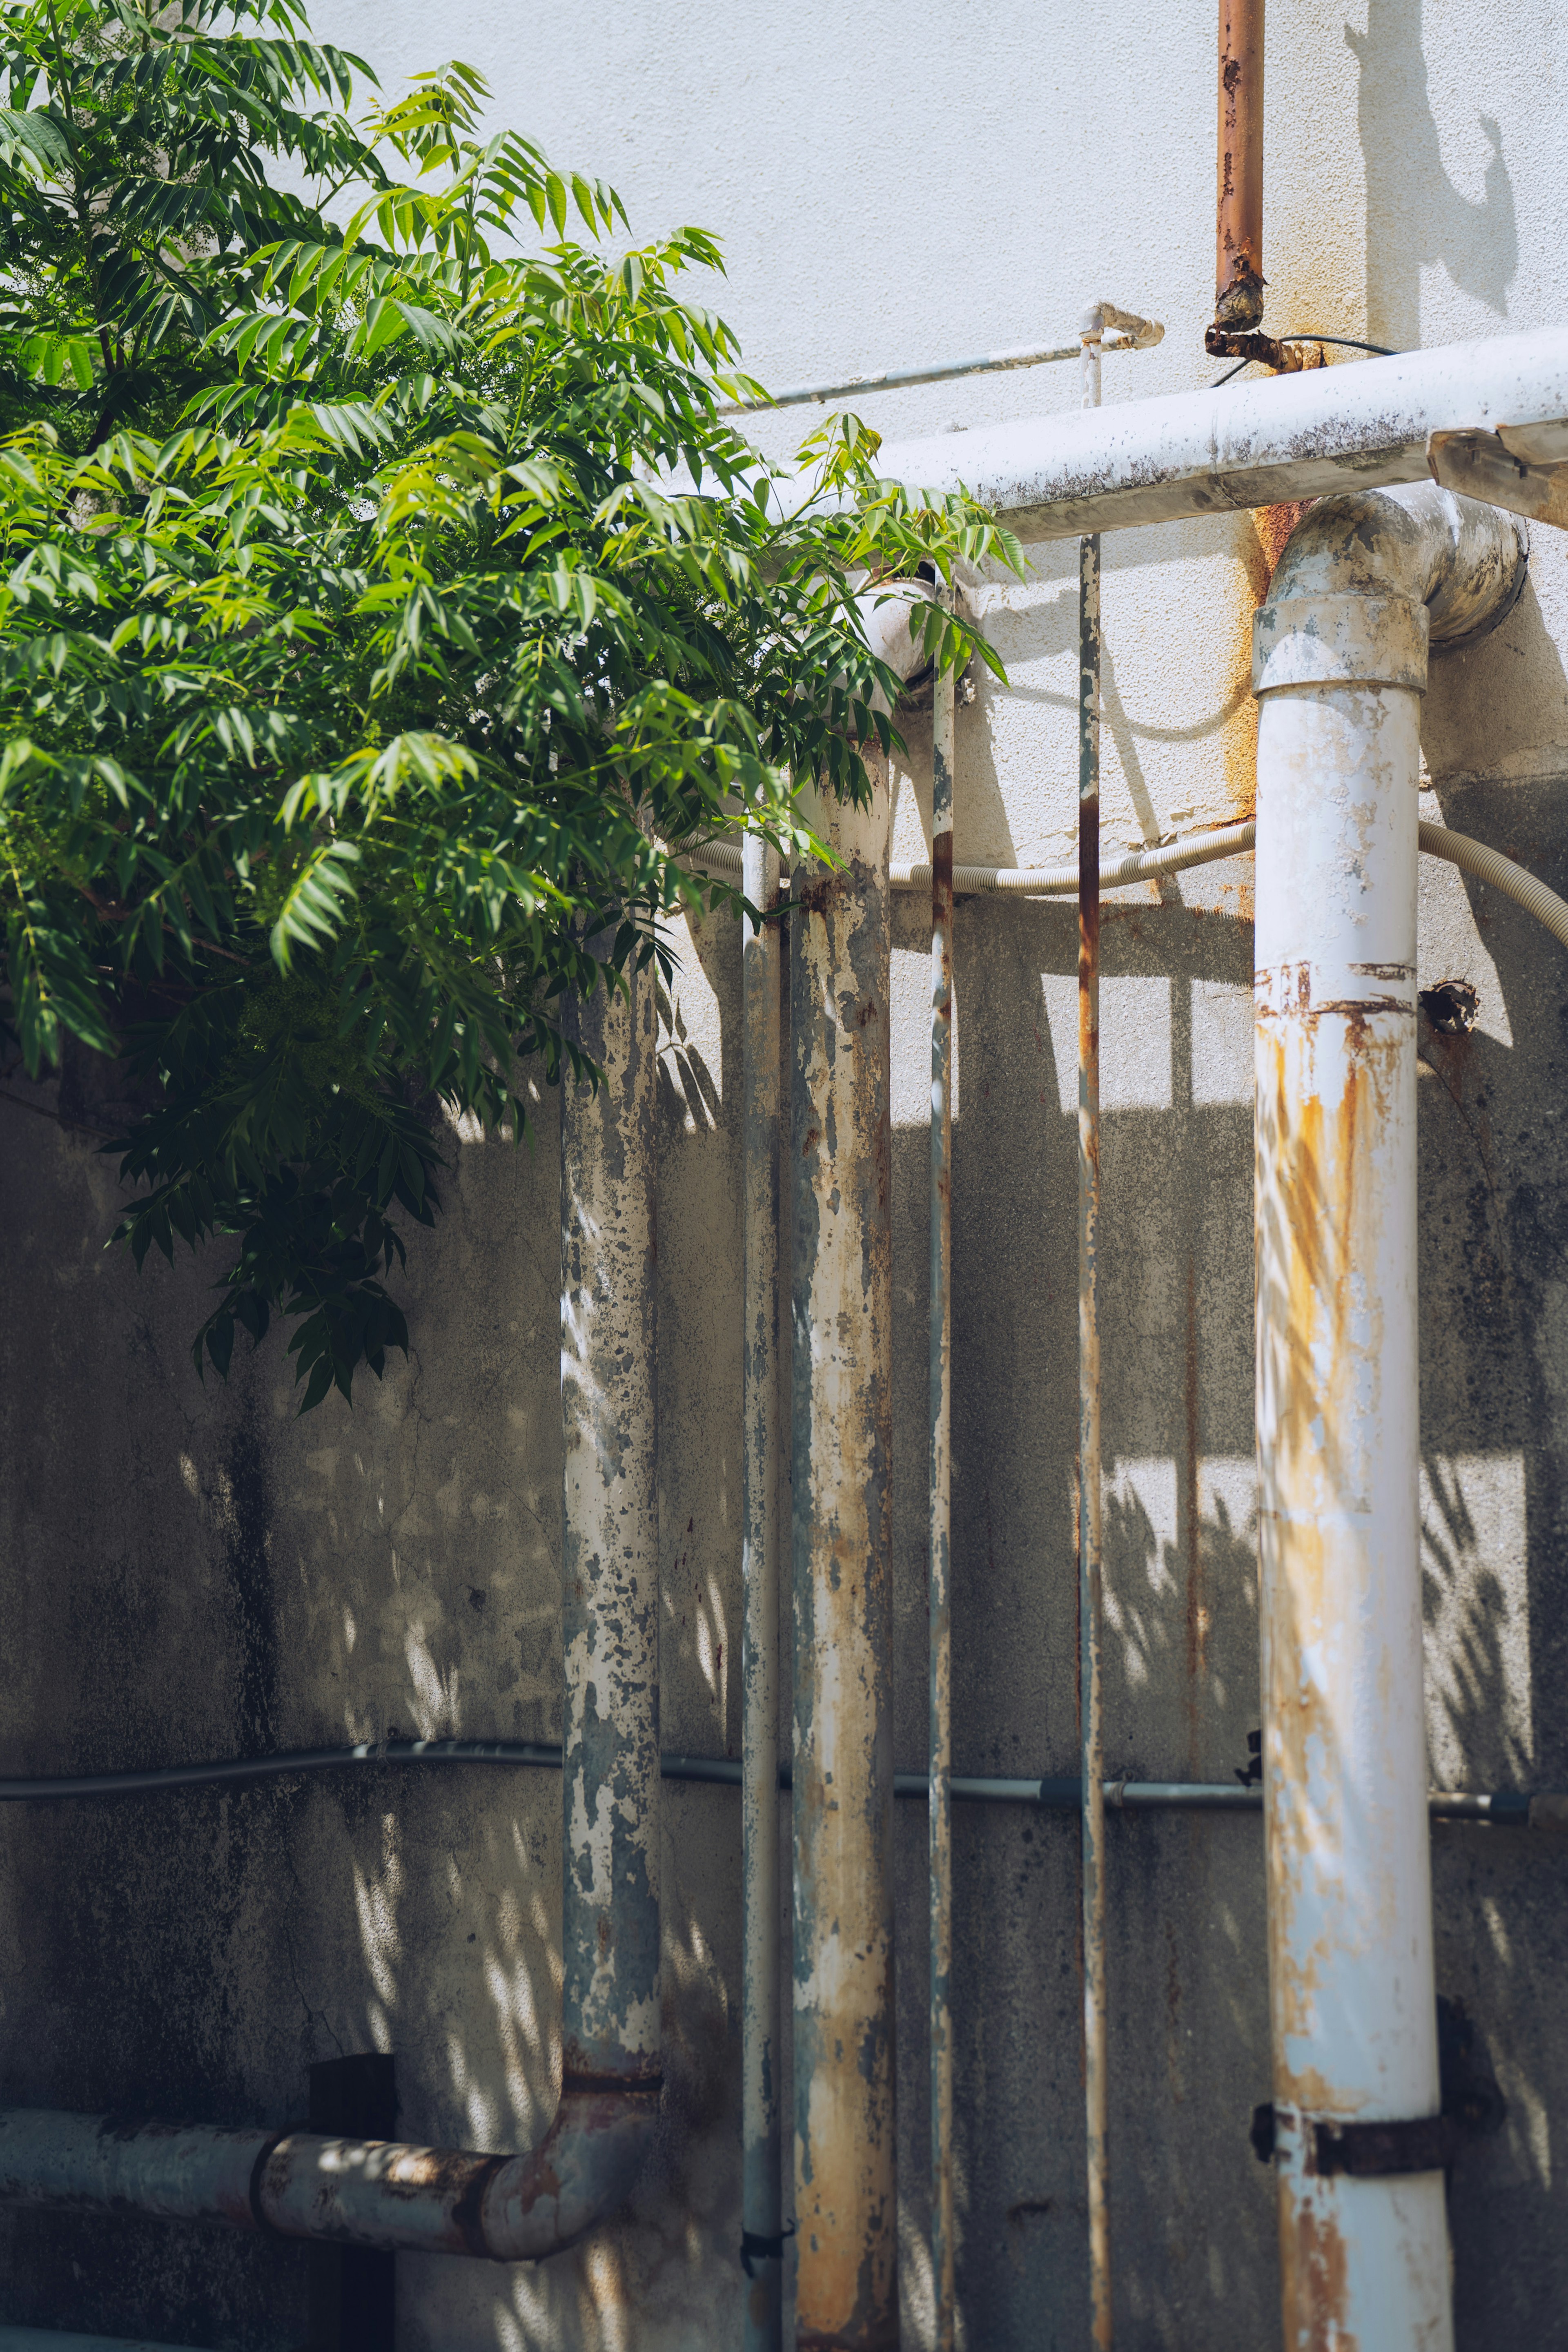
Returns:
point(49, 2339)
point(1503, 1808)
point(940, 1531)
point(609, 1554)
point(762, 2113)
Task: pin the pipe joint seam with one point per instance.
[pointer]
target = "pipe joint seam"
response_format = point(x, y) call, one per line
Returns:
point(1376, 640)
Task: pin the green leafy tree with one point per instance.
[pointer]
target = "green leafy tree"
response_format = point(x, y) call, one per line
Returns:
point(352, 720)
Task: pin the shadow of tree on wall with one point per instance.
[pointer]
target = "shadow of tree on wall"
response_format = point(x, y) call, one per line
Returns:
point(1416, 216)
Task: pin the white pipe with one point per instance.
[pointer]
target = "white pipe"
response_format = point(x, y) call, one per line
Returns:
point(1127, 332)
point(1340, 663)
point(1473, 858)
point(1256, 444)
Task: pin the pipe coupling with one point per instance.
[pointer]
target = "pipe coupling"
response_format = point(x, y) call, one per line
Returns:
point(1340, 641)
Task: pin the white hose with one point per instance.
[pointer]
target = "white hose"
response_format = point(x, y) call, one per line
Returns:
point(1490, 865)
point(1196, 849)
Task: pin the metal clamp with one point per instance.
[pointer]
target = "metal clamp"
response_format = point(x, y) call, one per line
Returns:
point(759, 2248)
point(1365, 2151)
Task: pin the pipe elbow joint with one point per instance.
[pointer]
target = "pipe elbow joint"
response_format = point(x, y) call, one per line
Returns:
point(538, 2205)
point(1371, 581)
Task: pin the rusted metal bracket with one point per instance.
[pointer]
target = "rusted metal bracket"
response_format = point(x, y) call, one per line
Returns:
point(1473, 2108)
point(1377, 2151)
point(1369, 2151)
point(1221, 343)
point(756, 2246)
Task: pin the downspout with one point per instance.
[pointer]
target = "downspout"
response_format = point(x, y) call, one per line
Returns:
point(1090, 1631)
point(444, 2201)
point(846, 2217)
point(761, 2129)
point(939, 1568)
point(1339, 667)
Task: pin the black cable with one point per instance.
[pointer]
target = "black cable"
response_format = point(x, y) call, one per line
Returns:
point(1344, 342)
point(1348, 343)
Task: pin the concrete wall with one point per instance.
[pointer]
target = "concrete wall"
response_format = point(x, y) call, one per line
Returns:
point(192, 1573)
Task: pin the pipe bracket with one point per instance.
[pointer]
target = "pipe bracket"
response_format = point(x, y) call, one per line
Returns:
point(1365, 2151)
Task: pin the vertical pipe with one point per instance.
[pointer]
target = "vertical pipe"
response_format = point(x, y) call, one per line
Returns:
point(610, 1551)
point(762, 2217)
point(941, 1737)
point(841, 1154)
point(1238, 221)
point(1364, 2260)
point(1090, 1699)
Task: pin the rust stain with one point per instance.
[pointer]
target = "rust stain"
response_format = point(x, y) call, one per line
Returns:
point(1316, 2276)
point(1273, 526)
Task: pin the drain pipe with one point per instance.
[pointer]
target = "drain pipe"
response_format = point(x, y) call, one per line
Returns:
point(458, 2201)
point(1339, 668)
point(762, 2159)
point(940, 1560)
point(1090, 1699)
point(846, 2216)
point(609, 1554)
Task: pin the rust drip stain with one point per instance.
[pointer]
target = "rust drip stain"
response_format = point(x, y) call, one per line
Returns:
point(1314, 2278)
point(1273, 526)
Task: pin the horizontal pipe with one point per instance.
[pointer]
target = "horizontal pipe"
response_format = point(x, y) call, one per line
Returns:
point(1142, 335)
point(1256, 444)
point(381, 2193)
point(51, 2339)
point(1472, 857)
point(1505, 1807)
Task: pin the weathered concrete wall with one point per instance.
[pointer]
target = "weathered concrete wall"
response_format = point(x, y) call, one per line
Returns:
point(189, 1572)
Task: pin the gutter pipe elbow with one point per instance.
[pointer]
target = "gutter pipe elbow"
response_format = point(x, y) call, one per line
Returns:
point(1371, 581)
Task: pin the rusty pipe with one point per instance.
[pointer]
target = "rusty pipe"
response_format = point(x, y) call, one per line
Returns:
point(762, 2126)
point(846, 2216)
point(940, 1560)
point(1239, 210)
point(1090, 1629)
point(385, 2194)
point(1339, 666)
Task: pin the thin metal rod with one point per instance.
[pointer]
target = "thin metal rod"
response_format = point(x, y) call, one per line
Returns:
point(1142, 335)
point(1090, 1702)
point(762, 2189)
point(1505, 1808)
point(941, 1729)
